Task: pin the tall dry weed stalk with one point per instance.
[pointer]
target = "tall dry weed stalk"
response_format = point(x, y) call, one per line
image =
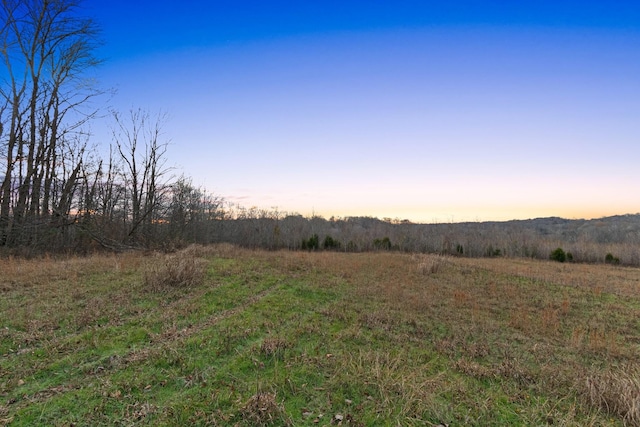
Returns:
point(595, 339)
point(460, 298)
point(565, 306)
point(577, 336)
point(519, 318)
point(550, 320)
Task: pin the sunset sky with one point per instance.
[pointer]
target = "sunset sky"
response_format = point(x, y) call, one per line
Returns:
point(430, 111)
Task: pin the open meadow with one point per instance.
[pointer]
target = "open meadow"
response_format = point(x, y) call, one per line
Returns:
point(225, 336)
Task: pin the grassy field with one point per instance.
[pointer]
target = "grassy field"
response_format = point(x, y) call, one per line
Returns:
point(224, 336)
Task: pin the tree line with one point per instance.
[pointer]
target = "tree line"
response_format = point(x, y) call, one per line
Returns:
point(56, 191)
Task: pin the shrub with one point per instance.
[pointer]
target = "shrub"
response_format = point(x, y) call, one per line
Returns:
point(330, 243)
point(384, 244)
point(569, 256)
point(558, 255)
point(312, 244)
point(352, 246)
point(180, 270)
point(492, 252)
point(610, 259)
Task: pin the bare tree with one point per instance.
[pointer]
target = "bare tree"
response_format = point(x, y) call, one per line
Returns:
point(46, 50)
point(138, 142)
point(193, 212)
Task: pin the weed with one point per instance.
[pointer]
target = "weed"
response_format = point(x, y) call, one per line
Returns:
point(262, 409)
point(273, 347)
point(180, 270)
point(431, 264)
point(578, 336)
point(460, 297)
point(565, 306)
point(550, 320)
point(601, 340)
point(519, 318)
point(473, 369)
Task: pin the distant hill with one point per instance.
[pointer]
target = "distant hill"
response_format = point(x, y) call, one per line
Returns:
point(587, 240)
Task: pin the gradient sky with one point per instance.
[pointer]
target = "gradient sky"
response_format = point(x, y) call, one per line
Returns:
point(431, 111)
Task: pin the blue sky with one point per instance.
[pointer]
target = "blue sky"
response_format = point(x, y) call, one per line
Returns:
point(431, 111)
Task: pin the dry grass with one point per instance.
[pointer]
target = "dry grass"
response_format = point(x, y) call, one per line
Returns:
point(430, 264)
point(183, 269)
point(263, 409)
point(273, 347)
point(617, 392)
point(601, 278)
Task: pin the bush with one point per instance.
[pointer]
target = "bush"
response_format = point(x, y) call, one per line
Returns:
point(330, 243)
point(490, 251)
point(181, 270)
point(569, 256)
point(312, 244)
point(384, 244)
point(610, 259)
point(558, 255)
point(352, 246)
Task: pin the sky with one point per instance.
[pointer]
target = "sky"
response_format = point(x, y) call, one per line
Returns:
point(421, 110)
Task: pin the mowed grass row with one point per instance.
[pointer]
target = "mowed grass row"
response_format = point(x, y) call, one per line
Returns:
point(297, 338)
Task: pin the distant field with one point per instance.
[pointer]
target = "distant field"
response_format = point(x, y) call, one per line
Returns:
point(225, 336)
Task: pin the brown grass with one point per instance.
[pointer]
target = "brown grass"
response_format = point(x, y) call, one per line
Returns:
point(262, 409)
point(617, 391)
point(601, 278)
point(183, 269)
point(430, 264)
point(273, 347)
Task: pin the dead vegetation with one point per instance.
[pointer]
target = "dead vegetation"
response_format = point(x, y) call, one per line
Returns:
point(263, 409)
point(183, 269)
point(617, 391)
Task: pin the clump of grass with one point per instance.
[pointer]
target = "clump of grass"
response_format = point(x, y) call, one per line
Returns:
point(617, 392)
point(262, 409)
point(473, 369)
point(273, 347)
point(180, 270)
point(431, 264)
point(460, 297)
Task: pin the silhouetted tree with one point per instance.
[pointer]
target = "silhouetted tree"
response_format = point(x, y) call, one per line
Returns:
point(46, 49)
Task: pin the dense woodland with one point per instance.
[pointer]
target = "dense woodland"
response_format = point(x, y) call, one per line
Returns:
point(57, 193)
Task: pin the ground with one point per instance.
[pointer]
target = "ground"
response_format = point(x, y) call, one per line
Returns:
point(224, 336)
